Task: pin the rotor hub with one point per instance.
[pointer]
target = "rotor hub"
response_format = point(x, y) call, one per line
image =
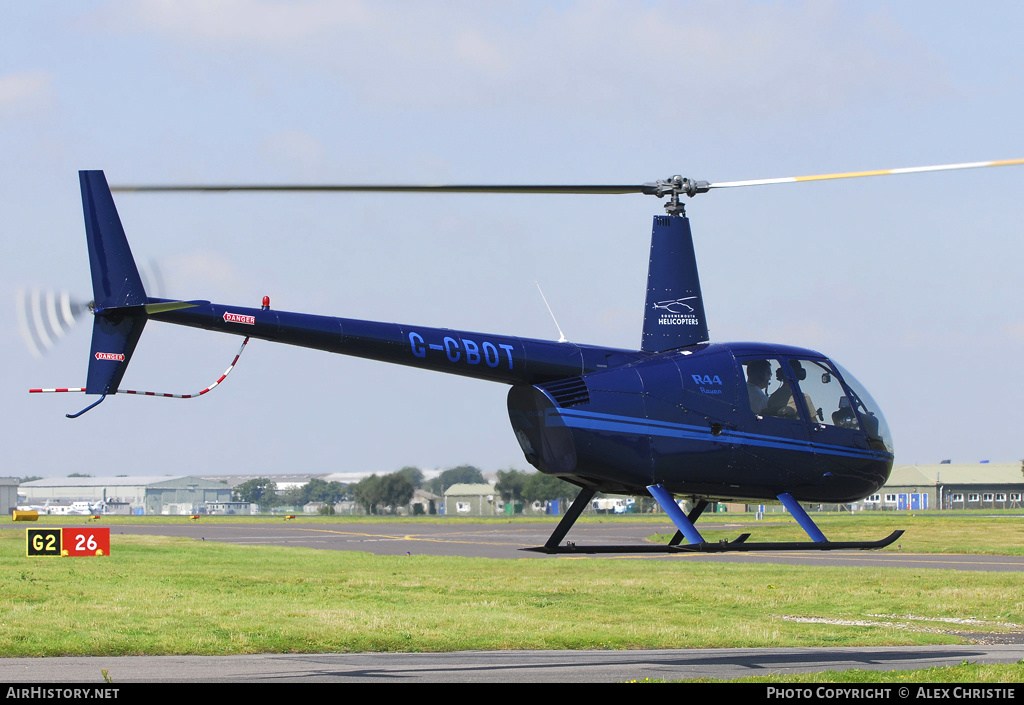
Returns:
point(674, 187)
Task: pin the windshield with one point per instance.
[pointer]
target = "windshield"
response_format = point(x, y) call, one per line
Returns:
point(870, 415)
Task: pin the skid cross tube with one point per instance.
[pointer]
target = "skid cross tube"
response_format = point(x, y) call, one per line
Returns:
point(575, 509)
point(692, 517)
point(805, 522)
point(682, 522)
point(570, 517)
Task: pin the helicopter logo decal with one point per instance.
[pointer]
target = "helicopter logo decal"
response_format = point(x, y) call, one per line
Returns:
point(679, 313)
point(676, 305)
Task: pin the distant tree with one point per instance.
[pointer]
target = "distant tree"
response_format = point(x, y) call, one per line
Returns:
point(317, 490)
point(291, 497)
point(413, 474)
point(259, 490)
point(374, 493)
point(79, 474)
point(368, 493)
point(453, 476)
point(29, 478)
point(510, 484)
point(541, 487)
point(396, 490)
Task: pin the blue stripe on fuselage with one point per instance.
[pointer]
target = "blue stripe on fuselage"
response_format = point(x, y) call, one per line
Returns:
point(592, 421)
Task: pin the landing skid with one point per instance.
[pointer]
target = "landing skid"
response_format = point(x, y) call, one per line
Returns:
point(696, 543)
point(739, 544)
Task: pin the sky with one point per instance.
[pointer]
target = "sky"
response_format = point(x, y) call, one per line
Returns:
point(913, 283)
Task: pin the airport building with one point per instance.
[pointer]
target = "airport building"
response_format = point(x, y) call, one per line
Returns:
point(125, 495)
point(472, 500)
point(948, 486)
point(8, 494)
point(282, 481)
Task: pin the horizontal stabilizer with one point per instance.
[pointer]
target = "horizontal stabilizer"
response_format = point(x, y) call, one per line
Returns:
point(160, 306)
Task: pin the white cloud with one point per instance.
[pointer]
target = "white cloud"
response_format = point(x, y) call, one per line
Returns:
point(1014, 331)
point(26, 94)
point(714, 60)
point(257, 22)
point(207, 272)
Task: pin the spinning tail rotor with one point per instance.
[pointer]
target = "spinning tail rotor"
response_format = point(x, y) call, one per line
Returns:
point(46, 316)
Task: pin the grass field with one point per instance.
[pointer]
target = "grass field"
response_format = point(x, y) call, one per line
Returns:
point(999, 532)
point(156, 595)
point(962, 673)
point(991, 533)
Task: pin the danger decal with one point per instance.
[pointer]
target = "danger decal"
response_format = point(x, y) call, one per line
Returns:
point(239, 318)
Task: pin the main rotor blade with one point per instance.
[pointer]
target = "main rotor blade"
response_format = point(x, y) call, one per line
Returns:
point(392, 188)
point(857, 174)
point(674, 186)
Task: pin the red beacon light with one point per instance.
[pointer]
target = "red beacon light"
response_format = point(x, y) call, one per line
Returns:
point(266, 303)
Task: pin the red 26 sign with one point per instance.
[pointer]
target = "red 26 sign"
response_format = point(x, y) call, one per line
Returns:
point(87, 541)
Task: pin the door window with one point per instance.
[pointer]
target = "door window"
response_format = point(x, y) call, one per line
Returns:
point(768, 389)
point(828, 402)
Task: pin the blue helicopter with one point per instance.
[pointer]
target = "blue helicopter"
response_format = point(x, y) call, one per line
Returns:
point(680, 417)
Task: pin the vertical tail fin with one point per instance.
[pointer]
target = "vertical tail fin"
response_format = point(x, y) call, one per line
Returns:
point(115, 278)
point(118, 293)
point(674, 315)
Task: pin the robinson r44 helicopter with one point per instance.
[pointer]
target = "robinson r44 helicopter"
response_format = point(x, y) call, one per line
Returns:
point(680, 417)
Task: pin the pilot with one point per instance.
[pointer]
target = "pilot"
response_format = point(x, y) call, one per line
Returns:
point(759, 372)
point(781, 402)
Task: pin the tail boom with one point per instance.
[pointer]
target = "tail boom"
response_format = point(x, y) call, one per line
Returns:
point(497, 358)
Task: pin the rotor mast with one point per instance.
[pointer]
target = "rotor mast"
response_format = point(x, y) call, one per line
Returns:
point(673, 187)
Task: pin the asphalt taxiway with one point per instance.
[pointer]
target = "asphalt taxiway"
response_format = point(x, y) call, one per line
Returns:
point(496, 666)
point(457, 538)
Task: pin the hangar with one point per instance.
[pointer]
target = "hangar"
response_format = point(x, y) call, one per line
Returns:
point(8, 494)
point(948, 486)
point(182, 494)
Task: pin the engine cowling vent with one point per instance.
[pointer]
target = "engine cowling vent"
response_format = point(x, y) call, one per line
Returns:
point(571, 391)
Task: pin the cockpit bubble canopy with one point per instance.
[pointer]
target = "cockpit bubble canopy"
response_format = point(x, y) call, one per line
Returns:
point(868, 410)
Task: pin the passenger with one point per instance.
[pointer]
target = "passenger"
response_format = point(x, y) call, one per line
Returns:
point(759, 372)
point(781, 403)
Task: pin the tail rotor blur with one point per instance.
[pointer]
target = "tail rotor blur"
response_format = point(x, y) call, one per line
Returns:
point(45, 315)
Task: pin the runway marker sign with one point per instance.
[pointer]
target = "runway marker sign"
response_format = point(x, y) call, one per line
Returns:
point(89, 541)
